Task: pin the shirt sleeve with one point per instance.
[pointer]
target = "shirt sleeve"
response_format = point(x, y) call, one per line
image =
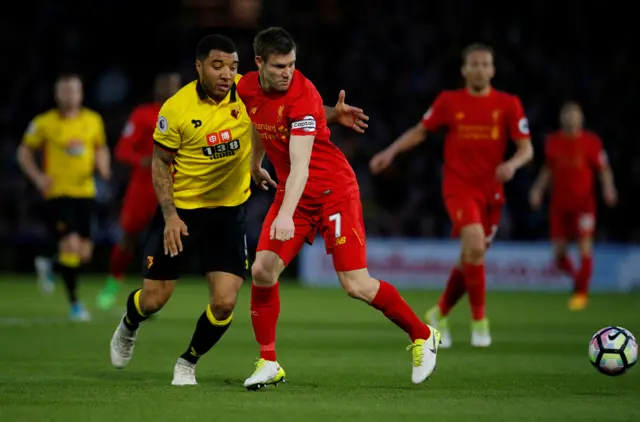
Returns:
point(518, 122)
point(436, 116)
point(305, 113)
point(34, 134)
point(101, 136)
point(598, 156)
point(167, 132)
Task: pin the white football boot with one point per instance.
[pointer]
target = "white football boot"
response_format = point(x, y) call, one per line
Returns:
point(266, 373)
point(184, 373)
point(122, 344)
point(480, 333)
point(441, 323)
point(424, 356)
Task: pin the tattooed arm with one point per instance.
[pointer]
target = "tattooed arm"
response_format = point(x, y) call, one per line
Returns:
point(163, 180)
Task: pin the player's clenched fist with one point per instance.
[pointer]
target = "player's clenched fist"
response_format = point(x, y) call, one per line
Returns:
point(282, 228)
point(381, 161)
point(174, 229)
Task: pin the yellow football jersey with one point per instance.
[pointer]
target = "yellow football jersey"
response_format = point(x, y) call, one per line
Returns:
point(212, 143)
point(68, 146)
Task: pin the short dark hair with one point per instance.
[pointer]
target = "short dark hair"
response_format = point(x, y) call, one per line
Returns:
point(64, 76)
point(214, 42)
point(570, 104)
point(274, 40)
point(474, 48)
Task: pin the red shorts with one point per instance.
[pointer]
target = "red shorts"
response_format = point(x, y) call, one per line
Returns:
point(340, 223)
point(571, 224)
point(138, 207)
point(466, 209)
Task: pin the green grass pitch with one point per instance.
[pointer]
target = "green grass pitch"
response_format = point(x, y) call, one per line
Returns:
point(344, 362)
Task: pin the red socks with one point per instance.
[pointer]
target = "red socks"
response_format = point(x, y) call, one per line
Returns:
point(474, 280)
point(453, 291)
point(265, 310)
point(564, 264)
point(119, 261)
point(392, 305)
point(583, 277)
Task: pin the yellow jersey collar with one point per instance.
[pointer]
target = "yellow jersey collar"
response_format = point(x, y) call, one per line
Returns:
point(231, 97)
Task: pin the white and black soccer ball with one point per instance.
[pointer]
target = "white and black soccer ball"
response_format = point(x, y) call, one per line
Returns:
point(613, 350)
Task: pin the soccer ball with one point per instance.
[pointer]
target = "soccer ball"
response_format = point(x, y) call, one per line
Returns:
point(613, 350)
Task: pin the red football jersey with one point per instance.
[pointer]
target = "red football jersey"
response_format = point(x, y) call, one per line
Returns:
point(299, 111)
point(477, 138)
point(572, 161)
point(136, 141)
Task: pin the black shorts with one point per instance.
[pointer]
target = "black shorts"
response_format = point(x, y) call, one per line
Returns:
point(216, 235)
point(67, 215)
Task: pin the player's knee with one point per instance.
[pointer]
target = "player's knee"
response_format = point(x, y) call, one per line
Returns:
point(474, 246)
point(585, 246)
point(560, 249)
point(359, 284)
point(223, 307)
point(70, 243)
point(155, 294)
point(263, 273)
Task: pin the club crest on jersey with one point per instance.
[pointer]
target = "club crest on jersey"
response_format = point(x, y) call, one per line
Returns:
point(235, 112)
point(280, 111)
point(75, 148)
point(254, 110)
point(523, 126)
point(220, 145)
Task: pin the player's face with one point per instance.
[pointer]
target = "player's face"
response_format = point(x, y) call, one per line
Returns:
point(277, 70)
point(217, 73)
point(478, 70)
point(68, 93)
point(571, 118)
point(167, 85)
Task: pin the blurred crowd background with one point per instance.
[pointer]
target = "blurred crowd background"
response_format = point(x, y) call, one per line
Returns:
point(392, 58)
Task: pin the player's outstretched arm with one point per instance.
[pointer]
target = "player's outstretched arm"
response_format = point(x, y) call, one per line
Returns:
point(539, 187)
point(300, 148)
point(410, 139)
point(260, 176)
point(174, 227)
point(29, 166)
point(163, 181)
point(103, 162)
point(346, 115)
point(609, 191)
point(522, 156)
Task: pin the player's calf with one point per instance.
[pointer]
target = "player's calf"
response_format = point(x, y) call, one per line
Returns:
point(211, 325)
point(561, 258)
point(119, 261)
point(265, 310)
point(358, 284)
point(579, 299)
point(473, 251)
point(141, 304)
point(385, 298)
point(68, 264)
